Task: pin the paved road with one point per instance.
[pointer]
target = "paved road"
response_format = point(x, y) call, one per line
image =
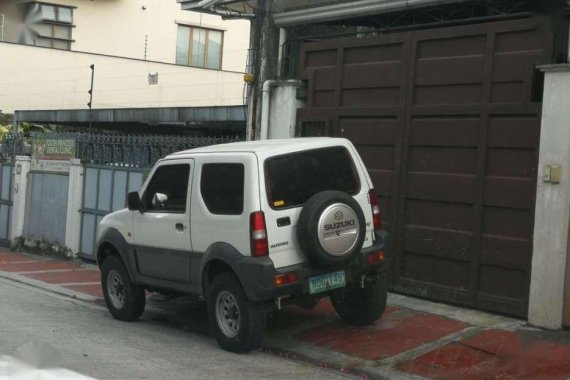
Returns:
point(94, 344)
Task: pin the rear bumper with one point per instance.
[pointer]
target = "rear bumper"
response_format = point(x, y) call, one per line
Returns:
point(258, 275)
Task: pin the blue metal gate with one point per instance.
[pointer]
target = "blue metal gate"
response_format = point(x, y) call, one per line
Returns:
point(105, 190)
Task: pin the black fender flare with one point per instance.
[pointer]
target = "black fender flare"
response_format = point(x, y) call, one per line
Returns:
point(114, 238)
point(256, 274)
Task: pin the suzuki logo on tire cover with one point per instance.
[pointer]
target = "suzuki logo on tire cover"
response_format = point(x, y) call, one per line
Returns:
point(339, 215)
point(338, 229)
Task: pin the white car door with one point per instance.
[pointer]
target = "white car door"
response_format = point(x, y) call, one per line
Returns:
point(161, 229)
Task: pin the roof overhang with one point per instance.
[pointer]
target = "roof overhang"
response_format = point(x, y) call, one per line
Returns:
point(292, 12)
point(220, 117)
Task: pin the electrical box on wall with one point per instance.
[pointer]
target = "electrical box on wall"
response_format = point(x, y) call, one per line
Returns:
point(552, 174)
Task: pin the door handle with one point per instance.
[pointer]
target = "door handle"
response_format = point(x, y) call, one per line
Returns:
point(179, 227)
point(282, 222)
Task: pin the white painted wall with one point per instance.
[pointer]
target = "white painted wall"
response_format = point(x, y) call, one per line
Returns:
point(552, 214)
point(119, 27)
point(35, 78)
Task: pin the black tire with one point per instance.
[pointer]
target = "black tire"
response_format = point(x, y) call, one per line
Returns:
point(134, 296)
point(361, 306)
point(308, 224)
point(252, 316)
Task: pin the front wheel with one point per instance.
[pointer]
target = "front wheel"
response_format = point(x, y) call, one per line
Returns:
point(124, 300)
point(361, 306)
point(238, 323)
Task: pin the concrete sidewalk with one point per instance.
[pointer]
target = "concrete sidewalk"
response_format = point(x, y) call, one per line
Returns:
point(414, 338)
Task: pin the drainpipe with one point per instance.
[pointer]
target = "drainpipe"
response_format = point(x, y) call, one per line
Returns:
point(266, 97)
point(282, 42)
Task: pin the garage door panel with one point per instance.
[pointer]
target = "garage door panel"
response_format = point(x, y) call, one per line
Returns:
point(382, 181)
point(510, 92)
point(511, 162)
point(520, 41)
point(320, 58)
point(503, 282)
point(506, 253)
point(442, 188)
point(451, 160)
point(372, 75)
point(510, 193)
point(514, 67)
point(453, 216)
point(367, 130)
point(377, 157)
point(448, 273)
point(450, 71)
point(370, 97)
point(374, 53)
point(324, 98)
point(459, 46)
point(507, 222)
point(447, 244)
point(502, 131)
point(324, 79)
point(444, 132)
point(448, 94)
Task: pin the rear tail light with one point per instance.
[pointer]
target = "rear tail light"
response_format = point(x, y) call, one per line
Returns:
point(375, 257)
point(286, 279)
point(259, 246)
point(375, 210)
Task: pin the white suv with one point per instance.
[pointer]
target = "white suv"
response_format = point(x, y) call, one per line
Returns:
point(250, 227)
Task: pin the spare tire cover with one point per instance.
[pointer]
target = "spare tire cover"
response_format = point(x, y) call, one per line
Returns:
point(331, 229)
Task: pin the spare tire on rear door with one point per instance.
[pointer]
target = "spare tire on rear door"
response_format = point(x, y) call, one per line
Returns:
point(331, 229)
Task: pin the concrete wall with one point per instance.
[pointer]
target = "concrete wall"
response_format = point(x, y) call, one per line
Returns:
point(33, 78)
point(552, 216)
point(121, 27)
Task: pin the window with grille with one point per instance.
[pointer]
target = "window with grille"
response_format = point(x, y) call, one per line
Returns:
point(54, 27)
point(199, 47)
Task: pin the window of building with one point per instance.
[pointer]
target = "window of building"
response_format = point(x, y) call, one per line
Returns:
point(222, 188)
point(54, 26)
point(168, 189)
point(199, 47)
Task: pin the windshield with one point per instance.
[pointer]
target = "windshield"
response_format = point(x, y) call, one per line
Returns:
point(294, 178)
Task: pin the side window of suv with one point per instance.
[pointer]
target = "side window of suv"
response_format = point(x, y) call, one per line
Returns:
point(168, 189)
point(222, 187)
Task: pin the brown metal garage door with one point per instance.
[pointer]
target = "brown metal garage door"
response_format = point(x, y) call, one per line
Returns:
point(447, 121)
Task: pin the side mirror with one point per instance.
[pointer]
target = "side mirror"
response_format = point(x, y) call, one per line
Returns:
point(134, 201)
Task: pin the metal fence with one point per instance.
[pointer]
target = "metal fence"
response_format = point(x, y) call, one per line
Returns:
point(137, 151)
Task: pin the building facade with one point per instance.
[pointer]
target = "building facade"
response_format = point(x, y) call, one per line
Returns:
point(145, 53)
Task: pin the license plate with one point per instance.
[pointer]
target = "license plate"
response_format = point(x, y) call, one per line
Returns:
point(326, 282)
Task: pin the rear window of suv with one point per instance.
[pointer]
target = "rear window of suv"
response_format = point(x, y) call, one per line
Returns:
point(294, 178)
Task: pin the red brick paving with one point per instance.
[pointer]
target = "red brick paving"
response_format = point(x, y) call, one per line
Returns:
point(494, 354)
point(38, 266)
point(72, 277)
point(292, 316)
point(92, 290)
point(390, 336)
point(6, 258)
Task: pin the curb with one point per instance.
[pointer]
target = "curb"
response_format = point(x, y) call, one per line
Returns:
point(48, 287)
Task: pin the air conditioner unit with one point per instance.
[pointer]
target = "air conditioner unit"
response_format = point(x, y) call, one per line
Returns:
point(1, 27)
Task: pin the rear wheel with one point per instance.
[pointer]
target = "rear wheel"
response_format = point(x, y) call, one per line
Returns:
point(361, 306)
point(124, 300)
point(238, 323)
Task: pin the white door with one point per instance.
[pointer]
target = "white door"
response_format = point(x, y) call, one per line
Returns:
point(162, 228)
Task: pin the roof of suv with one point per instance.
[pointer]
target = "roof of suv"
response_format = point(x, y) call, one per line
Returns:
point(266, 147)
